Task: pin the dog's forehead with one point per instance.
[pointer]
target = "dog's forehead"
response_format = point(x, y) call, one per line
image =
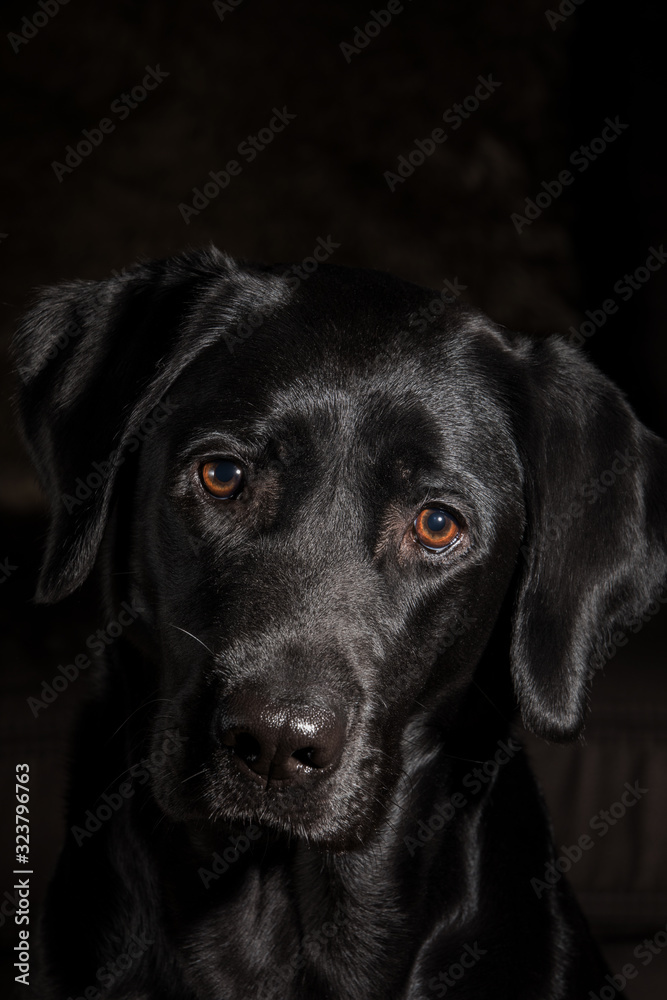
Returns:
point(349, 381)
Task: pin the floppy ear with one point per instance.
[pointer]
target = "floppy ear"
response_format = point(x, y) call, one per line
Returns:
point(95, 360)
point(595, 547)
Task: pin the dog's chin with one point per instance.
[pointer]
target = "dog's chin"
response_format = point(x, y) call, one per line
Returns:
point(290, 815)
point(333, 838)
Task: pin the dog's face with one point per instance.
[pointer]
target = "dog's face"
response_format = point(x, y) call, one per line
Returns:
point(283, 523)
point(326, 525)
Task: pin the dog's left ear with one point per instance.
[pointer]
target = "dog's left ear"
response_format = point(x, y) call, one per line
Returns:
point(87, 355)
point(594, 554)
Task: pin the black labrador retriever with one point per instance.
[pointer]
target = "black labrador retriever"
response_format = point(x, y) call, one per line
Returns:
point(341, 531)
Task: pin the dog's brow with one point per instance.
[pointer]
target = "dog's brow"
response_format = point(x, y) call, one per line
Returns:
point(221, 439)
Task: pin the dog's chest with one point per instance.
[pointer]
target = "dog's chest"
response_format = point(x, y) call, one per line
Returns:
point(273, 940)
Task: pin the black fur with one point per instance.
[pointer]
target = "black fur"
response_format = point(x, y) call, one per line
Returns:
point(349, 412)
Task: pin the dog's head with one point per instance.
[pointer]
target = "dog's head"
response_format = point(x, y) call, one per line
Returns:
point(334, 486)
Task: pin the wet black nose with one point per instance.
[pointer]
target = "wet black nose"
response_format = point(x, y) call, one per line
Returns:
point(279, 740)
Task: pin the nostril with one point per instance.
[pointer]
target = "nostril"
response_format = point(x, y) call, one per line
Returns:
point(245, 746)
point(306, 756)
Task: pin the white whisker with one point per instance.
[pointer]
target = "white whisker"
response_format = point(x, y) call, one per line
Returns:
point(192, 637)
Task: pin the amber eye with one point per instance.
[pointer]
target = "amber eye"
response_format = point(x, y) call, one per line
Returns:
point(435, 529)
point(222, 478)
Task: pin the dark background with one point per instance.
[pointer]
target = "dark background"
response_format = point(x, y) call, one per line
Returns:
point(323, 176)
